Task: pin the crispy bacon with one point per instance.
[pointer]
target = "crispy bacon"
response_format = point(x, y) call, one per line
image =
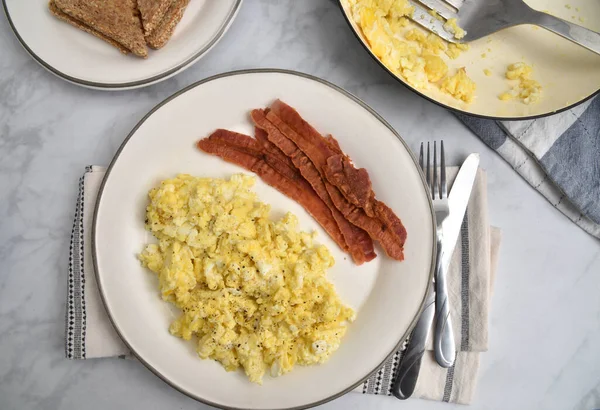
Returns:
point(334, 144)
point(381, 224)
point(269, 147)
point(376, 227)
point(318, 151)
point(391, 220)
point(354, 183)
point(246, 144)
point(359, 243)
point(245, 151)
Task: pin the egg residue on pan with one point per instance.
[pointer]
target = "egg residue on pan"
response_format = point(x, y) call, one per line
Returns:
point(253, 292)
point(527, 89)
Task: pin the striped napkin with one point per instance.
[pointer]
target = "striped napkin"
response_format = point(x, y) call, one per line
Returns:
point(89, 333)
point(558, 155)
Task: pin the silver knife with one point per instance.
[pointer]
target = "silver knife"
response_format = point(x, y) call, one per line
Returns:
point(444, 346)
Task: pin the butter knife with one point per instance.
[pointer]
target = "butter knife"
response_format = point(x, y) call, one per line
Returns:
point(444, 346)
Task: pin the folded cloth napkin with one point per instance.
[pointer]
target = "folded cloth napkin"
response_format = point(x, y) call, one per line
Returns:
point(89, 333)
point(558, 155)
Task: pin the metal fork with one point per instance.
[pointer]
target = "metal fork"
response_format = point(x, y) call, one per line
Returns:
point(443, 336)
point(480, 18)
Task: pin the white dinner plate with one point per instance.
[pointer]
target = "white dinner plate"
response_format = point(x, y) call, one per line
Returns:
point(569, 74)
point(83, 59)
point(386, 294)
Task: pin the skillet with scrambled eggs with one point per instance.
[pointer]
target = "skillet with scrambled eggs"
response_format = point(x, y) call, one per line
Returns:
point(253, 292)
point(423, 58)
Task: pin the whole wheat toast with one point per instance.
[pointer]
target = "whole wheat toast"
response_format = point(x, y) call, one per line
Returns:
point(65, 17)
point(153, 12)
point(163, 32)
point(117, 20)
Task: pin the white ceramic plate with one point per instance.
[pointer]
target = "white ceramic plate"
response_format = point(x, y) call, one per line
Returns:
point(386, 294)
point(568, 73)
point(83, 59)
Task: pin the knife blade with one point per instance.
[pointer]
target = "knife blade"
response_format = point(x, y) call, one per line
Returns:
point(444, 346)
point(457, 201)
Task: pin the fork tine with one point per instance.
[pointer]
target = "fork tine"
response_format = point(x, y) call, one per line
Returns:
point(429, 170)
point(443, 184)
point(456, 3)
point(422, 17)
point(421, 163)
point(434, 186)
point(440, 7)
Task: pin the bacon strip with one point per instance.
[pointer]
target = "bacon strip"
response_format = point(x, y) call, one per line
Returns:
point(270, 148)
point(377, 229)
point(391, 220)
point(246, 152)
point(334, 144)
point(382, 224)
point(337, 167)
point(359, 243)
point(354, 183)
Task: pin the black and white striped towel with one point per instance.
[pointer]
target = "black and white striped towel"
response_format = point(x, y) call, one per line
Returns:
point(89, 333)
point(558, 155)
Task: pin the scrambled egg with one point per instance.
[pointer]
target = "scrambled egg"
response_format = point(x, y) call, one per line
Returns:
point(451, 26)
point(253, 292)
point(527, 89)
point(408, 51)
point(460, 85)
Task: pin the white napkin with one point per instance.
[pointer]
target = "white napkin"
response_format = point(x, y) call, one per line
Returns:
point(89, 333)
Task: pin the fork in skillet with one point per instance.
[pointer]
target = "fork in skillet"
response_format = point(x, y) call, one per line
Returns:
point(479, 18)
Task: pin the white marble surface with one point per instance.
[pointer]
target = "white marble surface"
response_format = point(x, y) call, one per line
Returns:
point(545, 323)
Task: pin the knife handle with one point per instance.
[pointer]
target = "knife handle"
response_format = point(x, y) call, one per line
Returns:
point(444, 346)
point(408, 371)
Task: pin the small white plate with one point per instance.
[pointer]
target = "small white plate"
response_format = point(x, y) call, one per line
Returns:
point(387, 295)
point(83, 59)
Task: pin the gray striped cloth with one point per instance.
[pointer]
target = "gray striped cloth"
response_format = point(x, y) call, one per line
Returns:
point(558, 155)
point(89, 333)
point(470, 282)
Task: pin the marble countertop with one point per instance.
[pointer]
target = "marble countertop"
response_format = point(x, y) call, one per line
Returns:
point(545, 321)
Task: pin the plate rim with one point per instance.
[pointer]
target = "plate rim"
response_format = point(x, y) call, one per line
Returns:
point(454, 110)
point(130, 85)
point(244, 72)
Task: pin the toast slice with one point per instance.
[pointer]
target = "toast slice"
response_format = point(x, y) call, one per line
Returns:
point(117, 20)
point(153, 12)
point(65, 17)
point(163, 32)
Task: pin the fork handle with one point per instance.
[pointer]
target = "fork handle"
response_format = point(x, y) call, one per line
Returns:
point(410, 365)
point(443, 343)
point(577, 34)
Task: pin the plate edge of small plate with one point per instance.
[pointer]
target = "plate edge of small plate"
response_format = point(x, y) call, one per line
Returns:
point(243, 72)
point(133, 84)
